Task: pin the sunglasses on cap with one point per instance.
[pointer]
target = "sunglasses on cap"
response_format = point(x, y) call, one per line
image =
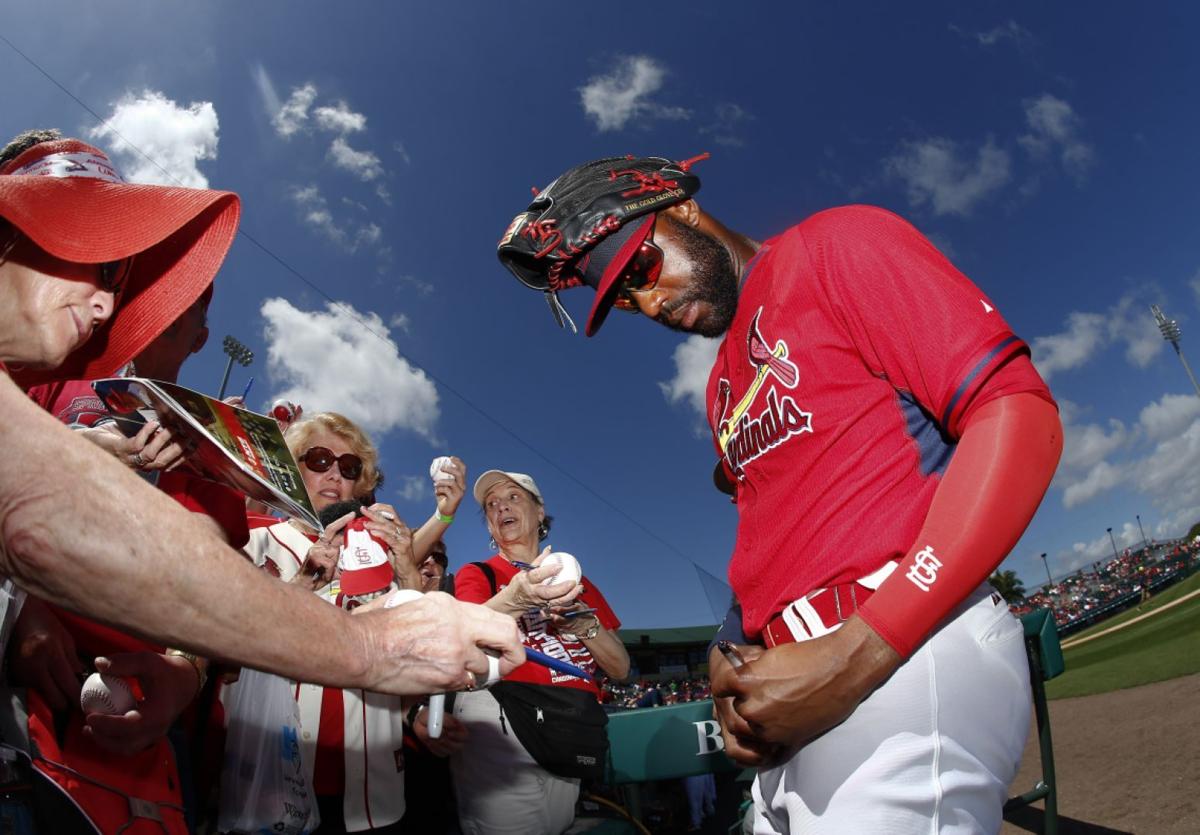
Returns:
point(641, 273)
point(319, 460)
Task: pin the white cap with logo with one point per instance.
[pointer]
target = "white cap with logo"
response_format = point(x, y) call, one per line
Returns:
point(493, 477)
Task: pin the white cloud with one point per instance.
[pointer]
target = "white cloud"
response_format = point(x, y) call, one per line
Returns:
point(266, 90)
point(612, 100)
point(1054, 125)
point(1088, 334)
point(1170, 474)
point(728, 120)
point(694, 358)
point(1100, 478)
point(414, 488)
point(329, 360)
point(401, 322)
point(1086, 445)
point(293, 116)
point(348, 234)
point(1100, 549)
point(362, 164)
point(935, 172)
point(1008, 31)
point(158, 141)
point(339, 118)
point(1169, 416)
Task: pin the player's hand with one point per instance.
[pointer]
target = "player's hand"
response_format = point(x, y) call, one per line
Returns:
point(320, 563)
point(452, 740)
point(434, 644)
point(741, 744)
point(42, 656)
point(449, 494)
point(792, 693)
point(168, 684)
point(525, 592)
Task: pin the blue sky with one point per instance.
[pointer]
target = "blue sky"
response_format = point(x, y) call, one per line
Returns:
point(381, 149)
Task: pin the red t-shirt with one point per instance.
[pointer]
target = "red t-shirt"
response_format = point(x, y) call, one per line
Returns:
point(73, 402)
point(838, 395)
point(472, 586)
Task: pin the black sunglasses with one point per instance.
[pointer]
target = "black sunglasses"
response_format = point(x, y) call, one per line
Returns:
point(114, 274)
point(319, 460)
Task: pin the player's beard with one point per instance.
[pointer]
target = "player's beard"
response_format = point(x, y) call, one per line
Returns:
point(713, 281)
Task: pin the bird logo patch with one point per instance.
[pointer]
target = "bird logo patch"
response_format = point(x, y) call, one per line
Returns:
point(743, 437)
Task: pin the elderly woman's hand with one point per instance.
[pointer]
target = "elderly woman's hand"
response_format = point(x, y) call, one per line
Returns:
point(153, 448)
point(525, 591)
point(320, 563)
point(449, 494)
point(385, 524)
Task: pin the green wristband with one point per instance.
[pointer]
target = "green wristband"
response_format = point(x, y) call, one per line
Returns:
point(445, 520)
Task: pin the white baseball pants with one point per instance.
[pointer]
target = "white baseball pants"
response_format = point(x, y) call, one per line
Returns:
point(931, 751)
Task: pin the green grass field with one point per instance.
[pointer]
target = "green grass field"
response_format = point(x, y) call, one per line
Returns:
point(1161, 647)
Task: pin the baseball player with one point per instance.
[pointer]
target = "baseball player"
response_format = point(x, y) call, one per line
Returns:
point(887, 441)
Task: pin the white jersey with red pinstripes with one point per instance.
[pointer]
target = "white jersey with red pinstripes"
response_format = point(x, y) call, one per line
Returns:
point(372, 723)
point(837, 396)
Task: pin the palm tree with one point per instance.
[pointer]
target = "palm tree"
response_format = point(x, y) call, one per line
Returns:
point(1009, 585)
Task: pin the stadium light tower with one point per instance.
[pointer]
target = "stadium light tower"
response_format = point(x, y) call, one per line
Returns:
point(1049, 580)
point(1171, 333)
point(1145, 542)
point(1114, 543)
point(235, 351)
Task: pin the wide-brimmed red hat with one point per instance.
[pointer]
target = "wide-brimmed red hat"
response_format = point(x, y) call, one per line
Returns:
point(68, 198)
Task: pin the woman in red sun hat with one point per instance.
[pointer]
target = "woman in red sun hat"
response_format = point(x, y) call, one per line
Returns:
point(94, 268)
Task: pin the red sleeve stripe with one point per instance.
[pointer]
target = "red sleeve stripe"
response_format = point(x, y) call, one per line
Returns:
point(1006, 349)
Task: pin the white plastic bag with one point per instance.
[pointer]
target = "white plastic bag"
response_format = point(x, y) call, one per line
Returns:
point(264, 784)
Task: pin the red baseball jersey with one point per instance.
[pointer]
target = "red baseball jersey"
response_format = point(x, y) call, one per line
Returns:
point(471, 586)
point(838, 395)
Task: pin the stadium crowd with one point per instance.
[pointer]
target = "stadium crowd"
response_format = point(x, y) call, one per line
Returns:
point(1079, 598)
point(643, 693)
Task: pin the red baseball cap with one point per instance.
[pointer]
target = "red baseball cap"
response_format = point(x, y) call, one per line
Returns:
point(602, 265)
point(69, 199)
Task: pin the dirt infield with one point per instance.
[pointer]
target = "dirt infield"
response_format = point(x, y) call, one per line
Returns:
point(1127, 762)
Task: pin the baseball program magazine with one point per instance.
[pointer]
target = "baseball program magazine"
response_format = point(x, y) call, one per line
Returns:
point(236, 447)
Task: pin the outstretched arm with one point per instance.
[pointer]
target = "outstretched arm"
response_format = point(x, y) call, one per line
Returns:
point(91, 536)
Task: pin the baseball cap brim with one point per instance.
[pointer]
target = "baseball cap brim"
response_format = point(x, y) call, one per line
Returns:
point(180, 237)
point(367, 580)
point(609, 258)
point(491, 478)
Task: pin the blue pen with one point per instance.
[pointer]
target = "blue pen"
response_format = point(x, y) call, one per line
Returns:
point(247, 391)
point(554, 664)
point(524, 566)
point(577, 612)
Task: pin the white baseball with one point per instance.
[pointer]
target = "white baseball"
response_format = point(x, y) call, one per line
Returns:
point(109, 695)
point(401, 596)
point(569, 573)
point(437, 469)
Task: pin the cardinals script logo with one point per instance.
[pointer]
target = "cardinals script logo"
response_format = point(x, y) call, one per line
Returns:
point(743, 437)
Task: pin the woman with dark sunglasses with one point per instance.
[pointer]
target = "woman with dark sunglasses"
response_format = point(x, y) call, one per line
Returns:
point(345, 728)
